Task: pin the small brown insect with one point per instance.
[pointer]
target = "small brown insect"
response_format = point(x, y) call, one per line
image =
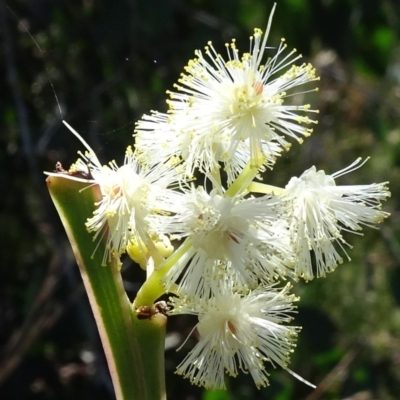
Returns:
point(145, 312)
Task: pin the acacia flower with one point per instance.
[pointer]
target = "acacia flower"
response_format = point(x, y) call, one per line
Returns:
point(234, 236)
point(130, 194)
point(231, 111)
point(238, 332)
point(321, 210)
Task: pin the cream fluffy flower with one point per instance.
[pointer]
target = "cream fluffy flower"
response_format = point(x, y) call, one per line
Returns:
point(231, 111)
point(321, 210)
point(130, 194)
point(238, 332)
point(243, 238)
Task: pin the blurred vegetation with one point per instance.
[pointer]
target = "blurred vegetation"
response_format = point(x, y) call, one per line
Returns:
point(111, 61)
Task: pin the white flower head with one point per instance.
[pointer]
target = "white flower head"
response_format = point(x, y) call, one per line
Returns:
point(231, 112)
point(238, 332)
point(130, 194)
point(321, 210)
point(228, 236)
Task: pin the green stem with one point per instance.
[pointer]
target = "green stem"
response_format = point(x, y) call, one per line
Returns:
point(258, 187)
point(248, 173)
point(150, 333)
point(153, 288)
point(121, 338)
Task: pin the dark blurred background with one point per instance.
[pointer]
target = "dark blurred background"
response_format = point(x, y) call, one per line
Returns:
point(111, 61)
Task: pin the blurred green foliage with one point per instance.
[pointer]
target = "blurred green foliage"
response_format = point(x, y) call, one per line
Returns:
point(104, 64)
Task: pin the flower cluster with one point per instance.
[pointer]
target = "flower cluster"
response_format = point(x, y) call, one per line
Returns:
point(228, 121)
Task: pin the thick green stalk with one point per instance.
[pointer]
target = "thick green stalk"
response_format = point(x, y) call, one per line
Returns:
point(123, 340)
point(150, 333)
